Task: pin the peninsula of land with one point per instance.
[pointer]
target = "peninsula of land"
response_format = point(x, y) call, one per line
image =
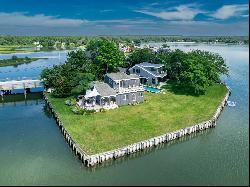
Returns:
point(104, 101)
point(15, 61)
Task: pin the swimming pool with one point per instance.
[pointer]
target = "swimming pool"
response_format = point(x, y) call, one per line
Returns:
point(151, 89)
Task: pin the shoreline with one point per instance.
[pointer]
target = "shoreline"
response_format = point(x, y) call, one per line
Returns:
point(18, 61)
point(92, 160)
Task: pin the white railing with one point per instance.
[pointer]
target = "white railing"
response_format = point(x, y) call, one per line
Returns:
point(19, 79)
point(131, 89)
point(14, 84)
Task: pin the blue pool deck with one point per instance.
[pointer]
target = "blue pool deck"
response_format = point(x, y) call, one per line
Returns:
point(151, 89)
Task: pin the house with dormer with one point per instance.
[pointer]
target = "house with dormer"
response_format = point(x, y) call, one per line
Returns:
point(149, 73)
point(117, 89)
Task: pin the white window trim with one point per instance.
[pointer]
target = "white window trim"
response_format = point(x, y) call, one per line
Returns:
point(124, 97)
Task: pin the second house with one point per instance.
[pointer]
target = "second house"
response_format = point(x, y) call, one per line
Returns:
point(116, 90)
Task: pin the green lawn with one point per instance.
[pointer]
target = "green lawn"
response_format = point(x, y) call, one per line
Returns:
point(159, 114)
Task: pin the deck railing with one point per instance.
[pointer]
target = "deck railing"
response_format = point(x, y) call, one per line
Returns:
point(131, 89)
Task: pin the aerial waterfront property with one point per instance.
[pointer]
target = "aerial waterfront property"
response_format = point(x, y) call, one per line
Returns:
point(118, 89)
point(196, 143)
point(105, 88)
point(124, 93)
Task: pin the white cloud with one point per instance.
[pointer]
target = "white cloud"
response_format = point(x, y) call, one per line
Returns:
point(190, 22)
point(123, 21)
point(20, 19)
point(228, 11)
point(182, 12)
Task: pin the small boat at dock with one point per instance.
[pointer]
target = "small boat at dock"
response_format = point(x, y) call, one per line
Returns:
point(231, 103)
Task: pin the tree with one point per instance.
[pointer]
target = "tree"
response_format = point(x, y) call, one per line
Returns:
point(173, 63)
point(71, 78)
point(200, 69)
point(141, 55)
point(81, 83)
point(165, 46)
point(105, 55)
point(195, 70)
point(14, 57)
point(192, 76)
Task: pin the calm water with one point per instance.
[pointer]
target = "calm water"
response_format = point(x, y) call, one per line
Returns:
point(31, 70)
point(33, 151)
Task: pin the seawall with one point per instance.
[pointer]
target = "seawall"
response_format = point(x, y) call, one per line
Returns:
point(91, 160)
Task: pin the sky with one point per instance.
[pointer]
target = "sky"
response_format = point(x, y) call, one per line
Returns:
point(124, 17)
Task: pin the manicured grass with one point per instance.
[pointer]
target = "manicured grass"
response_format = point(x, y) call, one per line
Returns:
point(159, 114)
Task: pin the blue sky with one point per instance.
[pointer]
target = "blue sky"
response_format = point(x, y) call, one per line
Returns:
point(123, 17)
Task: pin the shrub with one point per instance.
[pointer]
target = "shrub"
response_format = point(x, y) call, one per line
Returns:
point(103, 110)
point(88, 112)
point(68, 102)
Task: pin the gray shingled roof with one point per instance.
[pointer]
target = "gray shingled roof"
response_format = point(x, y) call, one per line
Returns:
point(121, 76)
point(122, 70)
point(147, 64)
point(104, 89)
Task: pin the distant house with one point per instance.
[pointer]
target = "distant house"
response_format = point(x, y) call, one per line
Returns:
point(149, 73)
point(124, 48)
point(116, 90)
point(37, 45)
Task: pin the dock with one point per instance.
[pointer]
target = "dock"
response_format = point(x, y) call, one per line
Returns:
point(7, 87)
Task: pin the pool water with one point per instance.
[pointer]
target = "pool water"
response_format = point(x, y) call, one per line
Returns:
point(151, 89)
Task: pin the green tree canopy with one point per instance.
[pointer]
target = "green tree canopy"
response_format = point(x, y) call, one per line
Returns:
point(141, 55)
point(105, 55)
point(71, 78)
point(195, 70)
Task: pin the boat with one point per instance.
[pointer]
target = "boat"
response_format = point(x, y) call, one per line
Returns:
point(231, 103)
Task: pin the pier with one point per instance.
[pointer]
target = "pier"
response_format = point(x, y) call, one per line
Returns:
point(7, 87)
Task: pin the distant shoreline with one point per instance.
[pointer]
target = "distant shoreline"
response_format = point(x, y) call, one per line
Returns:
point(198, 43)
point(17, 61)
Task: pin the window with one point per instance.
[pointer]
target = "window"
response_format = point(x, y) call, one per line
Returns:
point(133, 83)
point(137, 70)
point(133, 97)
point(133, 70)
point(141, 94)
point(124, 97)
point(153, 81)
